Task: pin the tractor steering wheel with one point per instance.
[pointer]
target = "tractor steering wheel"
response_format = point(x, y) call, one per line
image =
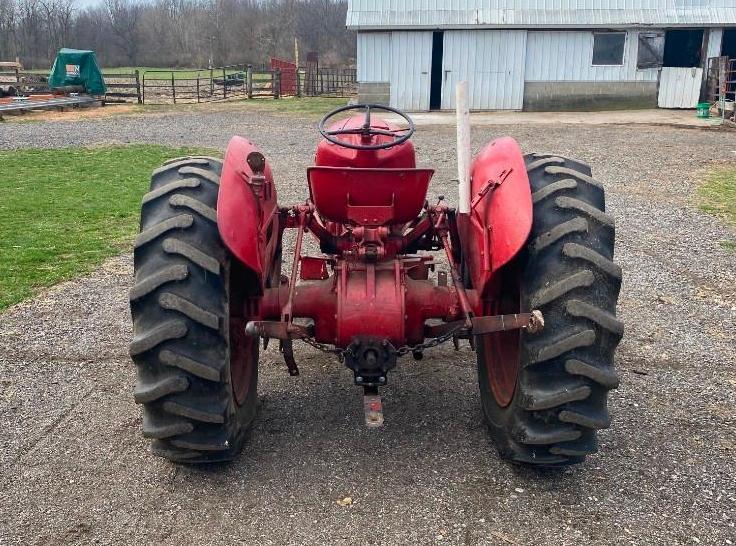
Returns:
point(366, 130)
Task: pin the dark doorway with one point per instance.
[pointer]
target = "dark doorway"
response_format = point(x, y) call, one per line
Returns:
point(435, 92)
point(728, 48)
point(683, 47)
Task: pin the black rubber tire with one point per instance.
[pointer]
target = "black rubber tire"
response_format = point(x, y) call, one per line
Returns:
point(566, 370)
point(186, 287)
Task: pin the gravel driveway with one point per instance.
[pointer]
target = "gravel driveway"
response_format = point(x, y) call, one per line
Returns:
point(74, 468)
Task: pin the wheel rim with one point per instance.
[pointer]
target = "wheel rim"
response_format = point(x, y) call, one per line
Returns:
point(502, 350)
point(243, 355)
point(243, 348)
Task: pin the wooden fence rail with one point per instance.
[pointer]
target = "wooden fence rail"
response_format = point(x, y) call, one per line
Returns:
point(195, 86)
point(166, 87)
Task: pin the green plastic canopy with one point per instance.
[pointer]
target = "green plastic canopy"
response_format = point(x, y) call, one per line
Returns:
point(77, 67)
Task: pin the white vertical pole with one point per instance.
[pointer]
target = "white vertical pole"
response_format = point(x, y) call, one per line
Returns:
point(463, 147)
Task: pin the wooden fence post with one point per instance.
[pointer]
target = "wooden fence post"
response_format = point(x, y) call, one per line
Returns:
point(298, 84)
point(277, 84)
point(224, 84)
point(212, 86)
point(249, 81)
point(138, 87)
point(197, 87)
point(173, 87)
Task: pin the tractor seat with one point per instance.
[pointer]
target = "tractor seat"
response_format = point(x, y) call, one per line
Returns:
point(368, 197)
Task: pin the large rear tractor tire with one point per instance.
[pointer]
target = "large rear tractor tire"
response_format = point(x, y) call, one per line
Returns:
point(197, 370)
point(544, 395)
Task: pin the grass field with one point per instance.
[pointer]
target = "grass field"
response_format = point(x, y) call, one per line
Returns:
point(64, 211)
point(717, 195)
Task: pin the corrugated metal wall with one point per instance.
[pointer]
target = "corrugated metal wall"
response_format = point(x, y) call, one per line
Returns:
point(411, 54)
point(679, 87)
point(432, 14)
point(492, 61)
point(568, 56)
point(374, 56)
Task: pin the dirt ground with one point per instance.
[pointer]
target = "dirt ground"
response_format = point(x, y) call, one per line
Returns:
point(74, 468)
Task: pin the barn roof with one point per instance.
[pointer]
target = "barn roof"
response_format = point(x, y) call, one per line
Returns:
point(395, 14)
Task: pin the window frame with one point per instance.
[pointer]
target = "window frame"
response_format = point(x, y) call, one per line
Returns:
point(623, 47)
point(640, 38)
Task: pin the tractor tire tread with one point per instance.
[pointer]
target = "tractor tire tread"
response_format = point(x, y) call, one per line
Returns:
point(553, 189)
point(170, 187)
point(586, 209)
point(202, 173)
point(182, 221)
point(568, 273)
point(175, 164)
point(575, 250)
point(558, 232)
point(194, 255)
point(174, 302)
point(154, 337)
point(570, 342)
point(555, 291)
point(601, 317)
point(200, 208)
point(199, 369)
point(164, 429)
point(545, 399)
point(179, 304)
point(544, 162)
point(176, 272)
point(164, 386)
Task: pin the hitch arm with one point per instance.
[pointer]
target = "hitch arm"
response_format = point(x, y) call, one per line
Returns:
point(531, 322)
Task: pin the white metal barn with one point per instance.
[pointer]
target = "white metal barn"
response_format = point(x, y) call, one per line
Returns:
point(539, 54)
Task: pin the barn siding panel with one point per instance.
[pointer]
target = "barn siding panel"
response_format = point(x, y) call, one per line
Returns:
point(411, 54)
point(568, 56)
point(374, 56)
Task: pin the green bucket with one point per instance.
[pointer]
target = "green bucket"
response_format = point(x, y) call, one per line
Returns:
point(703, 110)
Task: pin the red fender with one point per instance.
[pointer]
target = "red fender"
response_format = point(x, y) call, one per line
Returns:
point(243, 224)
point(500, 218)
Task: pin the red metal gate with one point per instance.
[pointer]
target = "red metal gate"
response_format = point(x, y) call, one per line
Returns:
point(288, 75)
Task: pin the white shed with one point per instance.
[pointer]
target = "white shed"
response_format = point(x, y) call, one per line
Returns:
point(539, 54)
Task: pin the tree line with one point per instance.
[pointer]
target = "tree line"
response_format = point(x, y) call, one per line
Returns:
point(176, 33)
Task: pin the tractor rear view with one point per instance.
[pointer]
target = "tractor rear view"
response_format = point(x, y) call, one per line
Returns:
point(522, 270)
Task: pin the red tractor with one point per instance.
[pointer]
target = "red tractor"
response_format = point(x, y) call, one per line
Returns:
point(529, 252)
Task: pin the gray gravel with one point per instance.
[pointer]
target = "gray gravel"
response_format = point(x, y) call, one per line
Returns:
point(74, 469)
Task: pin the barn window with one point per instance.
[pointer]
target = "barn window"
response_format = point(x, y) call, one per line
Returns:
point(651, 50)
point(608, 48)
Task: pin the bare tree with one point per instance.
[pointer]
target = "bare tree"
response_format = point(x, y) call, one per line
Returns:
point(124, 16)
point(182, 33)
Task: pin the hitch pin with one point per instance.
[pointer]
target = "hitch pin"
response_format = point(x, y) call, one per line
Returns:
point(372, 407)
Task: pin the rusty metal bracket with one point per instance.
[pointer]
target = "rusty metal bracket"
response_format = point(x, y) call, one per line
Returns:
point(278, 330)
point(287, 349)
point(531, 322)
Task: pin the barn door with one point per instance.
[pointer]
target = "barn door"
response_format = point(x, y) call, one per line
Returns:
point(492, 61)
point(412, 63)
point(679, 87)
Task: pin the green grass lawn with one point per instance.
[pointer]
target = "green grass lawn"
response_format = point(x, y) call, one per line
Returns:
point(717, 196)
point(64, 211)
point(311, 107)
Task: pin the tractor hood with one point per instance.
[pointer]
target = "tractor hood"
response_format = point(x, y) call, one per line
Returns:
point(401, 156)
